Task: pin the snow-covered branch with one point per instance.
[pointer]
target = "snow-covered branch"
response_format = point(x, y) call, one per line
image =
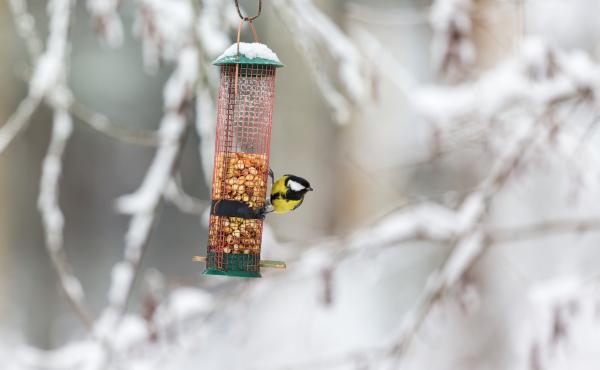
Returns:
point(144, 203)
point(107, 22)
point(104, 125)
point(49, 81)
point(316, 35)
point(539, 105)
point(452, 47)
point(25, 26)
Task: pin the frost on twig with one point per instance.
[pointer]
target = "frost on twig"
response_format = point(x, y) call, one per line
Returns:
point(452, 47)
point(215, 19)
point(18, 121)
point(104, 125)
point(49, 81)
point(471, 243)
point(186, 203)
point(144, 203)
point(564, 325)
point(165, 28)
point(52, 217)
point(107, 22)
point(316, 36)
point(498, 104)
point(205, 127)
point(25, 25)
point(166, 32)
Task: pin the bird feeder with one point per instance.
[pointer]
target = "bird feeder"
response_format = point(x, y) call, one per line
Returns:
point(241, 164)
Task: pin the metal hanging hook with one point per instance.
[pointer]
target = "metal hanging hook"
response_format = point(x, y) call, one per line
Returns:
point(246, 18)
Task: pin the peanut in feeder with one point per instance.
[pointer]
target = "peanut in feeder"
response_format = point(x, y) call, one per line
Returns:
point(241, 165)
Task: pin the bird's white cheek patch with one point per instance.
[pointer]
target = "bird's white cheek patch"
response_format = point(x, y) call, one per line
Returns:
point(295, 186)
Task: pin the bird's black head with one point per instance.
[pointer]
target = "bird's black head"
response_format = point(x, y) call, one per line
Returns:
point(297, 184)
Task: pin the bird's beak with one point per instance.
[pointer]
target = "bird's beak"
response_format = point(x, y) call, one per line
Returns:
point(310, 189)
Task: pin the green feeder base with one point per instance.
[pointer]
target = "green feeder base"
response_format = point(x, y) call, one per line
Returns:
point(246, 274)
point(239, 265)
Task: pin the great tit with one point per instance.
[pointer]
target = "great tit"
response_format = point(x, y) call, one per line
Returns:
point(287, 193)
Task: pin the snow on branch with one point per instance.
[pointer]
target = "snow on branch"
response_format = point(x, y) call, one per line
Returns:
point(564, 325)
point(107, 22)
point(19, 120)
point(501, 100)
point(25, 25)
point(205, 128)
point(471, 243)
point(165, 28)
point(452, 47)
point(317, 36)
point(49, 81)
point(145, 202)
point(214, 20)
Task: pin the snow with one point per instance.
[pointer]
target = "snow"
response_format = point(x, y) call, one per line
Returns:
point(250, 51)
point(165, 27)
point(82, 355)
point(564, 324)
point(121, 332)
point(451, 47)
point(73, 287)
point(121, 278)
point(324, 45)
point(361, 269)
point(149, 193)
point(108, 22)
point(216, 18)
point(527, 77)
point(206, 130)
point(51, 170)
point(45, 75)
point(462, 257)
point(184, 303)
point(181, 84)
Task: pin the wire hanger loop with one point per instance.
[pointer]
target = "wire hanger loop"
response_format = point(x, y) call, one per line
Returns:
point(245, 17)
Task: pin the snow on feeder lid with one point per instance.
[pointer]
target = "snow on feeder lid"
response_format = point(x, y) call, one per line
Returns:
point(241, 165)
point(249, 53)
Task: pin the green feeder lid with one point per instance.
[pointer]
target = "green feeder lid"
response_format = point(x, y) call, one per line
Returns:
point(250, 53)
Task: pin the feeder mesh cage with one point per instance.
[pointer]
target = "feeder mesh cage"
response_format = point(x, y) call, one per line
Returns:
point(241, 167)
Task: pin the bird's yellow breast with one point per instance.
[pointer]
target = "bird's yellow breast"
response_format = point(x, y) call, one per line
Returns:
point(278, 197)
point(281, 205)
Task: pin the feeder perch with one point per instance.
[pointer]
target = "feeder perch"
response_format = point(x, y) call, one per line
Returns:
point(241, 165)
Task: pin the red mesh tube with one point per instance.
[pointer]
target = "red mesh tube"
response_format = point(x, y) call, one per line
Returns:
point(241, 166)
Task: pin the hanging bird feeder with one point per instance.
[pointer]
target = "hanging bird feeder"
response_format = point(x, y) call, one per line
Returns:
point(241, 165)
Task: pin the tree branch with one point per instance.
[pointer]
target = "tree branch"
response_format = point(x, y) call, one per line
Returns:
point(59, 98)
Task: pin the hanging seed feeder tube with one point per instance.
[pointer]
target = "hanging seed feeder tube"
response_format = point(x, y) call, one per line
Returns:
point(241, 164)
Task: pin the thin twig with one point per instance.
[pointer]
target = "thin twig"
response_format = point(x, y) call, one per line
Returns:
point(543, 229)
point(471, 244)
point(186, 203)
point(145, 203)
point(104, 125)
point(18, 121)
point(53, 220)
point(101, 123)
point(59, 98)
point(25, 26)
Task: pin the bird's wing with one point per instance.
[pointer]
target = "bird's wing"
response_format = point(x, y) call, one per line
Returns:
point(299, 203)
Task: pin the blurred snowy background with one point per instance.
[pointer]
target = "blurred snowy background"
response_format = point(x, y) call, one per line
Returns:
point(453, 146)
